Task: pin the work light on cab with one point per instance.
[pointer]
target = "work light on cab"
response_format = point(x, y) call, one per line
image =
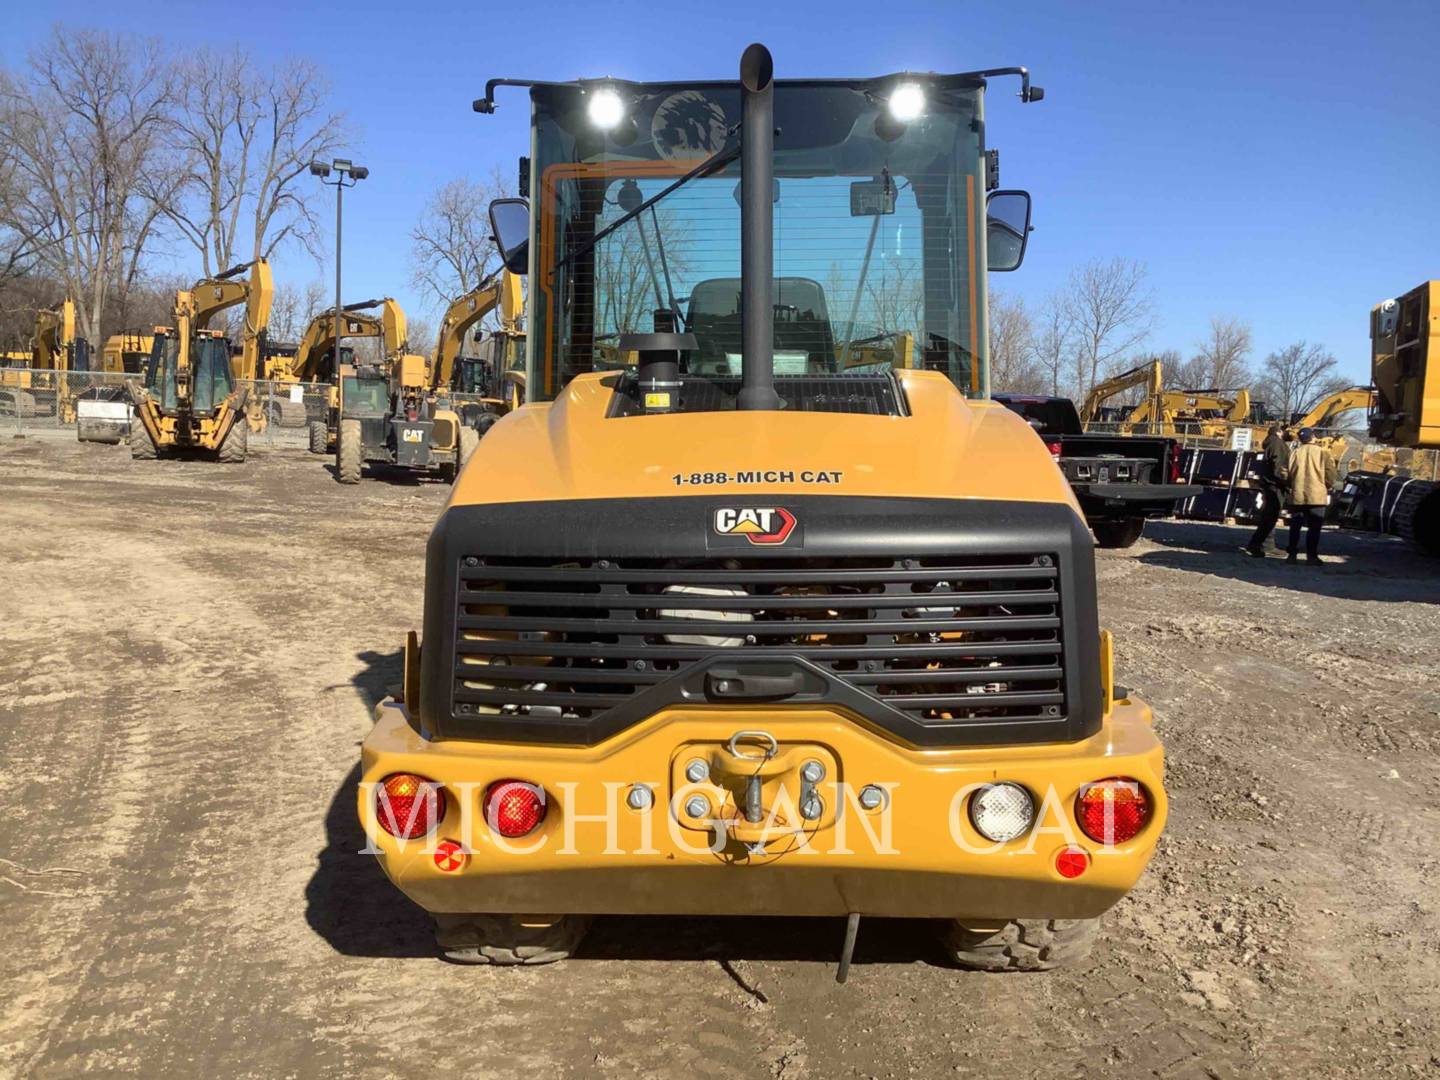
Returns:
point(1001, 812)
point(907, 102)
point(514, 808)
point(409, 806)
point(1112, 811)
point(605, 108)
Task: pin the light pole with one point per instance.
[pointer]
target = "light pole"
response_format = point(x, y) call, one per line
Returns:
point(347, 174)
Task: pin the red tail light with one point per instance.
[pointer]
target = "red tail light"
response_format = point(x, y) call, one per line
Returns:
point(1112, 811)
point(411, 415)
point(409, 806)
point(514, 807)
point(1175, 473)
point(1054, 448)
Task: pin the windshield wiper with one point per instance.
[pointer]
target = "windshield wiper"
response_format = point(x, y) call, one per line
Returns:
point(714, 163)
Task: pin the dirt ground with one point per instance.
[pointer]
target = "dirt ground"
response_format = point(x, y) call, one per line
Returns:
point(188, 657)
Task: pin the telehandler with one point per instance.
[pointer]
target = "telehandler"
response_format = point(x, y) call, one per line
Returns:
point(189, 399)
point(392, 414)
point(787, 640)
point(317, 359)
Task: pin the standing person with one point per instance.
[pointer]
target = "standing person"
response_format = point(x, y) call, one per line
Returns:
point(1311, 475)
point(1272, 468)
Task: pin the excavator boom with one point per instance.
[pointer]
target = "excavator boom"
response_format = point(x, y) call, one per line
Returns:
point(1148, 375)
point(465, 312)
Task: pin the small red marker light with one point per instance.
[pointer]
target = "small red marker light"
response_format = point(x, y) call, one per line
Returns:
point(450, 856)
point(1071, 862)
point(514, 807)
point(1054, 448)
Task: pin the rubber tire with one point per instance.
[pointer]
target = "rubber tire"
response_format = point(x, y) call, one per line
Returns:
point(1118, 534)
point(290, 414)
point(319, 437)
point(1024, 945)
point(235, 444)
point(469, 442)
point(142, 446)
point(348, 463)
point(501, 940)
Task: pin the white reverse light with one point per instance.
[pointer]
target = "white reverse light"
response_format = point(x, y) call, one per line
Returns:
point(907, 101)
point(605, 108)
point(1002, 812)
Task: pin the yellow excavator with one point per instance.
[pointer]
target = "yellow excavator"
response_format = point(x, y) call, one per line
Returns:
point(1150, 376)
point(500, 377)
point(128, 351)
point(1405, 414)
point(1204, 414)
point(29, 383)
point(189, 398)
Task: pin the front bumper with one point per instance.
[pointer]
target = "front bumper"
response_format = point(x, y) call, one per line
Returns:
point(917, 856)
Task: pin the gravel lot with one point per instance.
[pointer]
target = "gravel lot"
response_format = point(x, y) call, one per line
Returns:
point(187, 663)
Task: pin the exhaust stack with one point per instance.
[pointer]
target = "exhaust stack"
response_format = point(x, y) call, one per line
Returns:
point(757, 230)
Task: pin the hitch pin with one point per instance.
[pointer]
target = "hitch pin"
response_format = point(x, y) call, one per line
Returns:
point(753, 810)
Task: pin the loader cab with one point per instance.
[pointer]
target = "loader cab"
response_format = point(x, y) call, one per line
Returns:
point(885, 222)
point(203, 385)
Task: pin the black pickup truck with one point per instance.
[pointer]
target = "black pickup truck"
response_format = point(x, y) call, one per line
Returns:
point(1119, 480)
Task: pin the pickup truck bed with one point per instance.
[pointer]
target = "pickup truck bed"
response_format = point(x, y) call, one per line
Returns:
point(1119, 480)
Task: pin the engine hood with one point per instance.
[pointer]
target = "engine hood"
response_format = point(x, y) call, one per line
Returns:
point(948, 447)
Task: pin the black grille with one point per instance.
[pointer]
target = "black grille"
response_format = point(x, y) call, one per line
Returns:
point(946, 640)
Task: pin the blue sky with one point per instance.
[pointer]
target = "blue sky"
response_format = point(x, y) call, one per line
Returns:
point(1273, 161)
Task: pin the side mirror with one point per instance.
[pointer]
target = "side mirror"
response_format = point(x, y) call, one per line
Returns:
point(510, 225)
point(1007, 229)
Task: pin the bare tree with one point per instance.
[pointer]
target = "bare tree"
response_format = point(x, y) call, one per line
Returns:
point(1222, 359)
point(1297, 377)
point(451, 247)
point(246, 137)
point(85, 132)
point(1052, 343)
point(1014, 365)
point(1109, 311)
point(293, 308)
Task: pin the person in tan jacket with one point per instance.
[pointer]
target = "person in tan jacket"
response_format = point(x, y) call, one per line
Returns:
point(1309, 476)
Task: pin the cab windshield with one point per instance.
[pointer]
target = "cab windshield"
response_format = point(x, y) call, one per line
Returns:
point(876, 226)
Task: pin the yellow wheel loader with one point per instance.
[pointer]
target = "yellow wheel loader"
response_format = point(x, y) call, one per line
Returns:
point(782, 639)
point(189, 399)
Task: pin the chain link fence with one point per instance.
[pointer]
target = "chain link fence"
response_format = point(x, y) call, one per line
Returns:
point(96, 406)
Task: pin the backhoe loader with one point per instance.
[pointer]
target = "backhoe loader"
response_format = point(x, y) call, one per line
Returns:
point(1405, 413)
point(189, 399)
point(783, 640)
